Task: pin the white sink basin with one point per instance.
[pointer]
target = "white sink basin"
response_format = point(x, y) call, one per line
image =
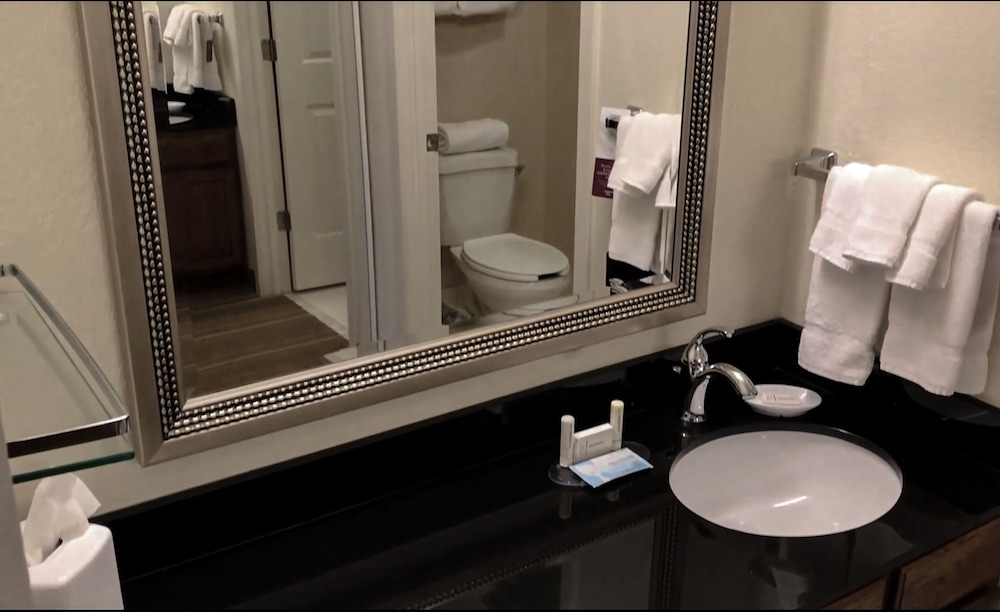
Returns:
point(786, 483)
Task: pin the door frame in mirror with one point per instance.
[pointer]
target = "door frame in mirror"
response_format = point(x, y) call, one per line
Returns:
point(166, 427)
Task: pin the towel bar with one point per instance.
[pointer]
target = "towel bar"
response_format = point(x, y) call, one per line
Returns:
point(612, 121)
point(819, 163)
point(217, 18)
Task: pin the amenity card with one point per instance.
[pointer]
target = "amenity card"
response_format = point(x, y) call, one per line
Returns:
point(608, 467)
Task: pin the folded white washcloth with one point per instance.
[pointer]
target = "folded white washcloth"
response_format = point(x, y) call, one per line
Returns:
point(445, 8)
point(844, 314)
point(928, 332)
point(635, 221)
point(644, 153)
point(468, 9)
point(468, 136)
point(926, 260)
point(154, 54)
point(666, 190)
point(892, 199)
point(975, 365)
point(841, 201)
point(203, 70)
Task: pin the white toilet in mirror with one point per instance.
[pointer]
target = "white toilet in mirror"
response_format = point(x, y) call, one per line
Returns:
point(508, 273)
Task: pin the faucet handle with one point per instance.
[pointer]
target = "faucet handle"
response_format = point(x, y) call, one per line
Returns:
point(695, 355)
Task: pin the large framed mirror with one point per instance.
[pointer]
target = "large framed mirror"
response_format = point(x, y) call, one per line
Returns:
point(316, 206)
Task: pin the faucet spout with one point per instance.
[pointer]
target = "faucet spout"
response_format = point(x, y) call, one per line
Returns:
point(736, 377)
point(694, 409)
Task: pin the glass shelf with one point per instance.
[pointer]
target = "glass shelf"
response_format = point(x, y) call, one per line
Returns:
point(59, 412)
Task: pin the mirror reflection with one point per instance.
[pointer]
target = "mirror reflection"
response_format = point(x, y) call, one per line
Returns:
point(271, 244)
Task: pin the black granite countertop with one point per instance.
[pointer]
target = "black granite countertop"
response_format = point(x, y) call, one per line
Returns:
point(460, 513)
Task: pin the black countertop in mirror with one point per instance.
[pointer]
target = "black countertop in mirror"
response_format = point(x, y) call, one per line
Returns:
point(201, 110)
point(460, 513)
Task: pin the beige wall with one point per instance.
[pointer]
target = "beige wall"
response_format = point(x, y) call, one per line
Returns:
point(50, 205)
point(521, 67)
point(54, 168)
point(905, 83)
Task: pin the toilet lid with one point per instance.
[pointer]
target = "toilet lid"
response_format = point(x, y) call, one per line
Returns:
point(513, 257)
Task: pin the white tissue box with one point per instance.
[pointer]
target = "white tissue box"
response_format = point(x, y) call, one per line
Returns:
point(81, 574)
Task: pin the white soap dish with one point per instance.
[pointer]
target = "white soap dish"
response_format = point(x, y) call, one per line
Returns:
point(784, 400)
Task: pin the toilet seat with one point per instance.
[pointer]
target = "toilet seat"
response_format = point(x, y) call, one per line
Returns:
point(514, 258)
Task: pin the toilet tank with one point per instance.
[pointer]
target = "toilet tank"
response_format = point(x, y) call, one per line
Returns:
point(477, 194)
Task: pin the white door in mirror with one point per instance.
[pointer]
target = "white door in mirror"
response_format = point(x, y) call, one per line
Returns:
point(784, 400)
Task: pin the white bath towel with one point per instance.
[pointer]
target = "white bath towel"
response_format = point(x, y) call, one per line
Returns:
point(469, 9)
point(189, 34)
point(841, 201)
point(154, 53)
point(928, 332)
point(178, 34)
point(975, 365)
point(926, 259)
point(892, 199)
point(204, 69)
point(445, 8)
point(666, 190)
point(468, 136)
point(844, 315)
point(644, 153)
point(635, 220)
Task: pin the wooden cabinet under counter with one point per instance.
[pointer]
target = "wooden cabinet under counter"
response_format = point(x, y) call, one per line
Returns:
point(203, 200)
point(952, 573)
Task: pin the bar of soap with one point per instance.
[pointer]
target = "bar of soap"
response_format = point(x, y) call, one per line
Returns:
point(605, 468)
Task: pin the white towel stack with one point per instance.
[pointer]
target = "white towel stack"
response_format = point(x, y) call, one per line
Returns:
point(907, 261)
point(471, 136)
point(644, 181)
point(190, 34)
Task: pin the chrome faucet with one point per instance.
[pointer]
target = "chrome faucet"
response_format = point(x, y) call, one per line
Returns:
point(695, 357)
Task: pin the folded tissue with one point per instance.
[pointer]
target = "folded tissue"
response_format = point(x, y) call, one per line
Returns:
point(71, 562)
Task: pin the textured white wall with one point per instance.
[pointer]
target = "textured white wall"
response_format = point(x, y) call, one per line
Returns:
point(904, 83)
point(761, 127)
point(50, 203)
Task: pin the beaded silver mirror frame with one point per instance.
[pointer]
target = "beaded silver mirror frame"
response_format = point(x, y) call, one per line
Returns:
point(167, 427)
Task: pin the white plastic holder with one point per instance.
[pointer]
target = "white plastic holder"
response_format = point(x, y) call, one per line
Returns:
point(81, 574)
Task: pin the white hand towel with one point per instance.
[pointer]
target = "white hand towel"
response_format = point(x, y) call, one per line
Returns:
point(635, 221)
point(841, 201)
point(844, 314)
point(928, 331)
point(666, 191)
point(203, 71)
point(468, 136)
point(445, 8)
point(975, 365)
point(643, 155)
point(177, 33)
point(892, 199)
point(154, 54)
point(925, 257)
point(469, 9)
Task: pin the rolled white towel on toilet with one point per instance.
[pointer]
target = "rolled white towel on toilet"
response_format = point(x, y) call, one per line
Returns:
point(469, 136)
point(469, 9)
